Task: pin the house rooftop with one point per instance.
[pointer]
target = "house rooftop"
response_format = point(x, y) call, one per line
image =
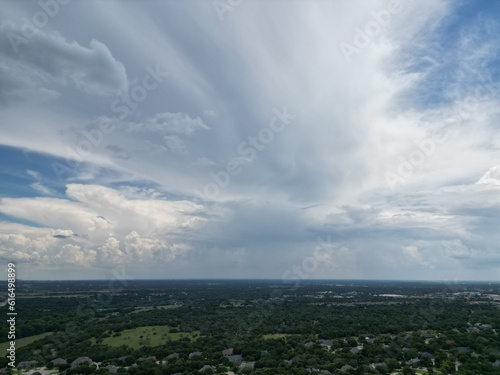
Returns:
point(235, 358)
point(59, 361)
point(81, 360)
point(248, 365)
point(205, 368)
point(112, 369)
point(346, 367)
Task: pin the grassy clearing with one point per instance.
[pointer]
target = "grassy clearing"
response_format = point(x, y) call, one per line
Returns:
point(163, 307)
point(418, 371)
point(425, 372)
point(232, 304)
point(147, 336)
point(270, 336)
point(23, 342)
point(54, 296)
point(22, 372)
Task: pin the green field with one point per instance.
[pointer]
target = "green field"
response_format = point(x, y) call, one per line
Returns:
point(275, 336)
point(163, 307)
point(21, 372)
point(23, 342)
point(147, 336)
point(418, 371)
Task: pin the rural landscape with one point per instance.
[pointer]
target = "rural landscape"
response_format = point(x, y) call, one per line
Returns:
point(250, 187)
point(263, 327)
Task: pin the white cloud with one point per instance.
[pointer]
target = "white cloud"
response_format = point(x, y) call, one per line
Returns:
point(175, 144)
point(325, 173)
point(49, 57)
point(144, 215)
point(110, 252)
point(62, 233)
point(102, 226)
point(173, 123)
point(412, 252)
point(491, 177)
point(20, 83)
point(38, 186)
point(37, 176)
point(144, 249)
point(75, 255)
point(456, 249)
point(52, 212)
point(204, 161)
point(418, 257)
point(34, 249)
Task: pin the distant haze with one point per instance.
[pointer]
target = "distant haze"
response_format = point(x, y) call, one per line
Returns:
point(276, 139)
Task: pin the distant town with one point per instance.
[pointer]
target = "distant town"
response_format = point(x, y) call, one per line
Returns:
point(255, 327)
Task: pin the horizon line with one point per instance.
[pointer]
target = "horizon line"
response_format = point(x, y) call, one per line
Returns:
point(288, 281)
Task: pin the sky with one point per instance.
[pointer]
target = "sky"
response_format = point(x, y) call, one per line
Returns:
point(271, 139)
